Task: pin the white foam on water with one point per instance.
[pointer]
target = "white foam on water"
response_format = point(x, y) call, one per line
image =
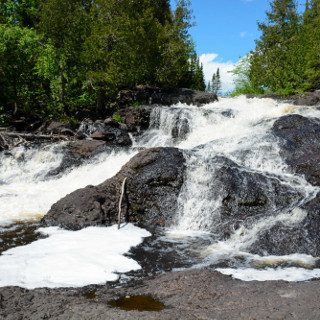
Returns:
point(287, 274)
point(71, 258)
point(236, 128)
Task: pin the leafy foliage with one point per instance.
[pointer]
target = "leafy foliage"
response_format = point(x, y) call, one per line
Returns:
point(287, 55)
point(59, 57)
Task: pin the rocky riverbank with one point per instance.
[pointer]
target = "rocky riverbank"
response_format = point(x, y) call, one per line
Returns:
point(302, 99)
point(155, 178)
point(190, 294)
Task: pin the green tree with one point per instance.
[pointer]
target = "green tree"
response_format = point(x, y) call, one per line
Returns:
point(242, 78)
point(177, 48)
point(22, 90)
point(216, 82)
point(311, 41)
point(208, 89)
point(65, 26)
point(276, 63)
point(23, 13)
point(138, 42)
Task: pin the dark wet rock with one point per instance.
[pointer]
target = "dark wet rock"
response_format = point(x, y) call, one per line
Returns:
point(108, 131)
point(55, 127)
point(285, 238)
point(246, 193)
point(154, 179)
point(76, 153)
point(84, 149)
point(228, 114)
point(308, 99)
point(300, 144)
point(111, 122)
point(181, 128)
point(113, 136)
point(135, 117)
point(303, 99)
point(151, 95)
point(189, 294)
point(249, 196)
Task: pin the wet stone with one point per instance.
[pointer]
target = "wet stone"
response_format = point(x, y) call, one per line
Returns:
point(140, 303)
point(19, 234)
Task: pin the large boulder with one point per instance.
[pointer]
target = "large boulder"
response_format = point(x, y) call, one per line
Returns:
point(239, 197)
point(300, 144)
point(154, 179)
point(134, 117)
point(285, 238)
point(303, 99)
point(249, 198)
point(108, 130)
point(246, 193)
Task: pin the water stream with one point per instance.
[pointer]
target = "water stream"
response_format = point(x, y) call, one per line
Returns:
point(236, 129)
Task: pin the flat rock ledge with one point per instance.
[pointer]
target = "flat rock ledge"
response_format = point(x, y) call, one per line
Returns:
point(190, 294)
point(303, 99)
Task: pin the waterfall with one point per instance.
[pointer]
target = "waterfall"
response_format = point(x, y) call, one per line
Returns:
point(220, 140)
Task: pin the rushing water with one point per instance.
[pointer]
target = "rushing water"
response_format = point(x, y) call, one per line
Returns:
point(234, 128)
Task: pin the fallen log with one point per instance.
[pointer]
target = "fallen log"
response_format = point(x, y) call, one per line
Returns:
point(32, 136)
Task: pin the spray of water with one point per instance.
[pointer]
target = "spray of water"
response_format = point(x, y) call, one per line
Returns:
point(237, 129)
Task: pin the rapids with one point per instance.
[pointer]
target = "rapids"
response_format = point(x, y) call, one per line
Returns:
point(238, 129)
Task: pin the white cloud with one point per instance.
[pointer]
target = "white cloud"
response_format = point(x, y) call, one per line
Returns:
point(210, 66)
point(245, 33)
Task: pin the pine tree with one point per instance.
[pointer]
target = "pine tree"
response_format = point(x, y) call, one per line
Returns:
point(209, 87)
point(311, 38)
point(216, 82)
point(276, 62)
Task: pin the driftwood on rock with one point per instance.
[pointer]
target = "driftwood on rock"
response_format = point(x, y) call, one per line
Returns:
point(120, 201)
point(32, 136)
point(10, 140)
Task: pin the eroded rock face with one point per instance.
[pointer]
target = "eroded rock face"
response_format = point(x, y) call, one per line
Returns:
point(245, 193)
point(300, 145)
point(154, 179)
point(284, 238)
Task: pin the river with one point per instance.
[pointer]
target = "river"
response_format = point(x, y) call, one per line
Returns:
point(237, 129)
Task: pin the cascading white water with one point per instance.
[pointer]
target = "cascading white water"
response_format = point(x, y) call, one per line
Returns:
point(234, 128)
point(238, 129)
point(25, 191)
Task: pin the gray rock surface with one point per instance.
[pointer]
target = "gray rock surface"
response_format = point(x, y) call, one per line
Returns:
point(190, 295)
point(300, 144)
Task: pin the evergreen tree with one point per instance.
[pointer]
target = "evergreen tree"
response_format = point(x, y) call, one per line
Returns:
point(208, 89)
point(23, 13)
point(311, 39)
point(216, 82)
point(80, 53)
point(65, 25)
point(276, 62)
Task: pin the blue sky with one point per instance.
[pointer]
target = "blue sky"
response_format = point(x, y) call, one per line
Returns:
point(225, 30)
